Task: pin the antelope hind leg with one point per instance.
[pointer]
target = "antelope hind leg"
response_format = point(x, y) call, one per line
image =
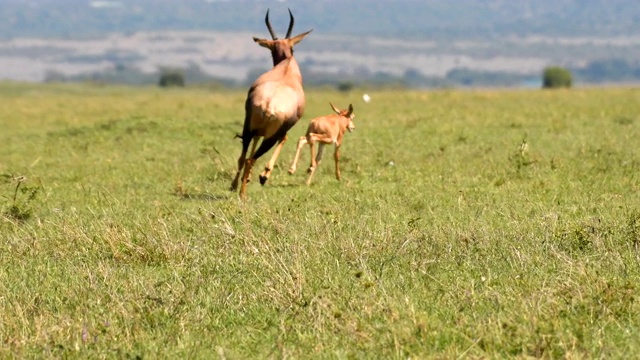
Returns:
point(267, 170)
point(243, 158)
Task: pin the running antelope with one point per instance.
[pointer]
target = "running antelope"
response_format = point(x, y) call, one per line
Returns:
point(274, 104)
point(327, 129)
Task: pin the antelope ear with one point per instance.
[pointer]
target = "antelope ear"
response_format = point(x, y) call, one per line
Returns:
point(296, 39)
point(263, 42)
point(350, 109)
point(337, 111)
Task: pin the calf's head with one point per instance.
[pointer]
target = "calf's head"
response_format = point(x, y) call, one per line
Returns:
point(348, 114)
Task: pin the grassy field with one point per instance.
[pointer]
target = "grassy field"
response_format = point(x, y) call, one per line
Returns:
point(468, 224)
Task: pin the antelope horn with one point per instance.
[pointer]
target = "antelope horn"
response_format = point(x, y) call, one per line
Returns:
point(291, 21)
point(266, 20)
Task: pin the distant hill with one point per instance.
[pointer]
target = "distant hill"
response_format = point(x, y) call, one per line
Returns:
point(436, 19)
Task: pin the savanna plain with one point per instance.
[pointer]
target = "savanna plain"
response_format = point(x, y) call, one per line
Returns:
point(468, 224)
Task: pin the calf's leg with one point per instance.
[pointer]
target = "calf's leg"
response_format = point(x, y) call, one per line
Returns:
point(301, 143)
point(315, 162)
point(336, 157)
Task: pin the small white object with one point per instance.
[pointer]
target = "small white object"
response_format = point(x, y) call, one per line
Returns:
point(366, 98)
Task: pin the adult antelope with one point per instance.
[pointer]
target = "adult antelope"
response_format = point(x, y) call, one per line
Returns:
point(324, 130)
point(274, 104)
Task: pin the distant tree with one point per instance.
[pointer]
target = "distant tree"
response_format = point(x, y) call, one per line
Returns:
point(556, 77)
point(345, 86)
point(171, 77)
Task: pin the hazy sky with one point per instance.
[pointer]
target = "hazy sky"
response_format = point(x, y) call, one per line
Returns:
point(429, 37)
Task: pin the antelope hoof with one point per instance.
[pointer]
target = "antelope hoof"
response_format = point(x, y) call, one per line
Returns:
point(263, 179)
point(292, 170)
point(310, 169)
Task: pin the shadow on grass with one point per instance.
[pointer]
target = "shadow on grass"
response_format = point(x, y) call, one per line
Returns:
point(202, 196)
point(287, 185)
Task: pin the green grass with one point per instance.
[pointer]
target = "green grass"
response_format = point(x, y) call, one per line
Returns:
point(467, 224)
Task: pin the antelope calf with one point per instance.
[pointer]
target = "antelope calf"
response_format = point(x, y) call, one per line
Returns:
point(275, 102)
point(324, 130)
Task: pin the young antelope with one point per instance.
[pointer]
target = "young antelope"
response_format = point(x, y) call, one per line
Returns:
point(325, 130)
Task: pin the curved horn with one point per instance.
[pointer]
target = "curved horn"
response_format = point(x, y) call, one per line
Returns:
point(291, 21)
point(266, 20)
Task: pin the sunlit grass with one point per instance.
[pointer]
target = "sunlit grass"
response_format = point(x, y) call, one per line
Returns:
point(468, 223)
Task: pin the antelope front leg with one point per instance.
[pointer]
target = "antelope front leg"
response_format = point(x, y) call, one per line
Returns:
point(245, 177)
point(267, 170)
point(301, 144)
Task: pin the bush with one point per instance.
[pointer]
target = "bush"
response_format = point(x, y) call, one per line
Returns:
point(170, 78)
point(556, 77)
point(345, 86)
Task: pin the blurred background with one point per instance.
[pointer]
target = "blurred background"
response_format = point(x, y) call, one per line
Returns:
point(408, 43)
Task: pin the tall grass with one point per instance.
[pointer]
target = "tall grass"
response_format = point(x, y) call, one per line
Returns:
point(467, 224)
